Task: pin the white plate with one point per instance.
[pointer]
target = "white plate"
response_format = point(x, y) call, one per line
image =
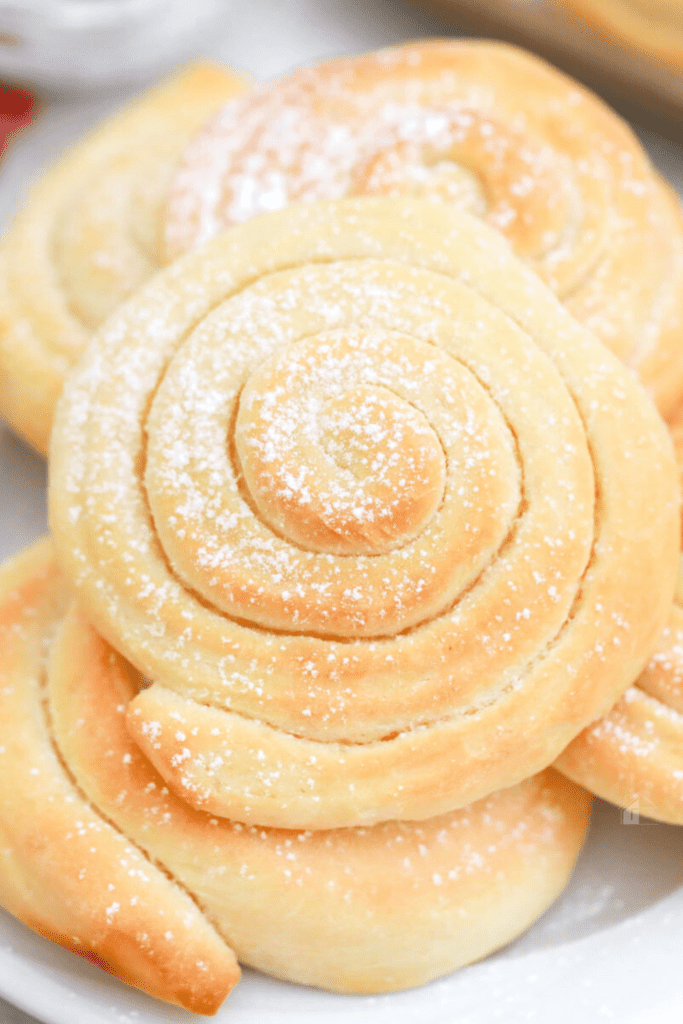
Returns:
point(610, 947)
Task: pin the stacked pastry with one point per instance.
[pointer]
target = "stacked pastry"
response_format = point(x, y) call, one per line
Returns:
point(356, 527)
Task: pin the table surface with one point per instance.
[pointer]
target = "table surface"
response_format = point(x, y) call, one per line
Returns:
point(265, 39)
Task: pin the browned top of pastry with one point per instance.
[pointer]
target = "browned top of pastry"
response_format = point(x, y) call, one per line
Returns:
point(67, 870)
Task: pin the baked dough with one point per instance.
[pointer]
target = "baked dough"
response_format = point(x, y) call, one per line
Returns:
point(88, 235)
point(330, 482)
point(99, 856)
point(634, 755)
point(67, 871)
point(481, 126)
point(653, 28)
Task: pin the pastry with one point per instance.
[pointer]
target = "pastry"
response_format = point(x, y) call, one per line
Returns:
point(652, 28)
point(481, 126)
point(330, 483)
point(67, 871)
point(634, 755)
point(87, 236)
point(100, 857)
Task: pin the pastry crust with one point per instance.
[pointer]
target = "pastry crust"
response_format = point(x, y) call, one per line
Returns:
point(653, 28)
point(84, 819)
point(634, 755)
point(67, 871)
point(388, 349)
point(483, 127)
point(87, 236)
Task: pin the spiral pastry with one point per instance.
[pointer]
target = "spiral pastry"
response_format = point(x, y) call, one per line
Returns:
point(88, 235)
point(652, 28)
point(370, 510)
point(634, 755)
point(482, 127)
point(100, 857)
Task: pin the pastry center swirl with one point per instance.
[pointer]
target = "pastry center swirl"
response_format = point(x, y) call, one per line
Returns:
point(483, 166)
point(348, 482)
point(339, 467)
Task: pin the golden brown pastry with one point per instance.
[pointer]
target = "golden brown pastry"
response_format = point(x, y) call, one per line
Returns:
point(634, 755)
point(88, 235)
point(371, 510)
point(99, 856)
point(653, 28)
point(483, 127)
point(67, 871)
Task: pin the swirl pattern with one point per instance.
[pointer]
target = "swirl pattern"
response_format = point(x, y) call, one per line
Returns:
point(99, 856)
point(351, 488)
point(89, 235)
point(634, 755)
point(481, 127)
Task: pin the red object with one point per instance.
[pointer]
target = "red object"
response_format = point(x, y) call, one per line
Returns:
point(17, 109)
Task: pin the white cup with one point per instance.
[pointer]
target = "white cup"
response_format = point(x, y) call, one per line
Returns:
point(81, 44)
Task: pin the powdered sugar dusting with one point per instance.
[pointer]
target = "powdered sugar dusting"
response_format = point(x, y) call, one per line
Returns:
point(451, 123)
point(447, 629)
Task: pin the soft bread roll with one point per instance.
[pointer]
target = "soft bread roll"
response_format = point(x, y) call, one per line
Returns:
point(85, 819)
point(330, 482)
point(486, 128)
point(634, 755)
point(653, 28)
point(88, 235)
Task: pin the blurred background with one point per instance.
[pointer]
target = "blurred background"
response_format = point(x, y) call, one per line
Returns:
point(75, 60)
point(630, 50)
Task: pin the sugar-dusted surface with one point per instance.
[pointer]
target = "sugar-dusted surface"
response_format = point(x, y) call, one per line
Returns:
point(269, 704)
point(475, 126)
point(633, 756)
point(99, 855)
point(66, 871)
point(604, 939)
point(88, 235)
